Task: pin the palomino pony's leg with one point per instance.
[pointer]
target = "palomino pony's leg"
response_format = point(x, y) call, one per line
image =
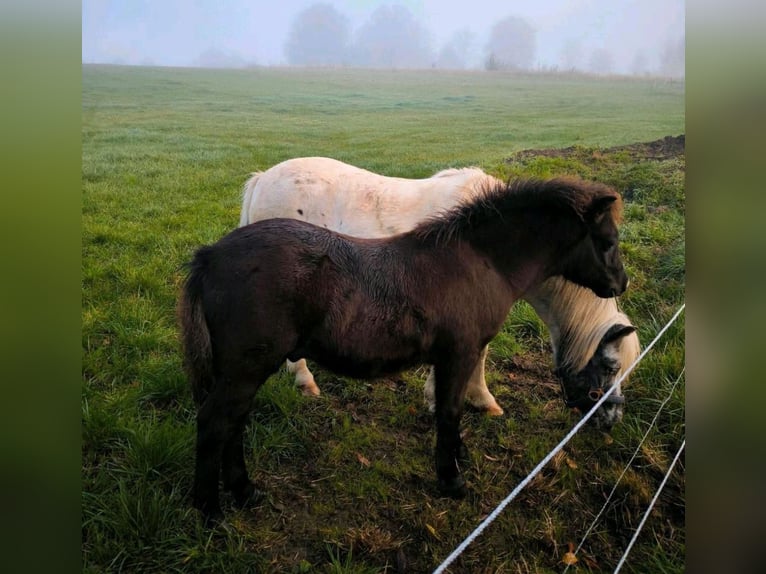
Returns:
point(303, 377)
point(477, 393)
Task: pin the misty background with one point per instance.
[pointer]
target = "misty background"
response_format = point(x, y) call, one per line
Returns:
point(596, 36)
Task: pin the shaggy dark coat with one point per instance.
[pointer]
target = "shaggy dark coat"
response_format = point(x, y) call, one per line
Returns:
point(284, 289)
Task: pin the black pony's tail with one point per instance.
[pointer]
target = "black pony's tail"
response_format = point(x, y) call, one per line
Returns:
point(195, 335)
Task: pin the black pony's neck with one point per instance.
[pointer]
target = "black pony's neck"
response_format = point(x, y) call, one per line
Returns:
point(524, 232)
point(529, 228)
point(528, 246)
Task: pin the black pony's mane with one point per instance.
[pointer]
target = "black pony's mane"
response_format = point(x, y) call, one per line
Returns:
point(496, 200)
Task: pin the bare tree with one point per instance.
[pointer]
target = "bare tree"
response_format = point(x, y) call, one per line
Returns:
point(512, 45)
point(393, 38)
point(319, 36)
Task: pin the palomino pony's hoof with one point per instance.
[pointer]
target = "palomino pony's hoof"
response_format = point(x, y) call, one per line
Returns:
point(486, 404)
point(493, 410)
point(248, 496)
point(453, 488)
point(310, 390)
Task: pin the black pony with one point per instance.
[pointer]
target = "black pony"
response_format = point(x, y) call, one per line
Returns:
point(284, 289)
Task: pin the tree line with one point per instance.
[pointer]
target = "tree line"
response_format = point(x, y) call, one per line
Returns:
point(392, 37)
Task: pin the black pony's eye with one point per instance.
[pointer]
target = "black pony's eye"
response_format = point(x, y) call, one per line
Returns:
point(605, 244)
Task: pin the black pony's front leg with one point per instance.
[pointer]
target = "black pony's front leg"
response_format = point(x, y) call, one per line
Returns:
point(451, 382)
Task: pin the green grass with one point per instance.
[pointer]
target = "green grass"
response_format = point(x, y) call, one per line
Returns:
point(349, 476)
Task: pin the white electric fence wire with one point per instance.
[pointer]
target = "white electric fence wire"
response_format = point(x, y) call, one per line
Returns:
point(627, 466)
point(648, 510)
point(495, 513)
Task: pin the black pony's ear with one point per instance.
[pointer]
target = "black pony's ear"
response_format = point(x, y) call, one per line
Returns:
point(616, 332)
point(599, 207)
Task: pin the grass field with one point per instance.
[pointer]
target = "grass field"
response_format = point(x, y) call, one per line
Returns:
point(350, 475)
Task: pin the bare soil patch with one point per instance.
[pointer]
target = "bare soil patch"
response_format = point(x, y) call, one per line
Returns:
point(669, 147)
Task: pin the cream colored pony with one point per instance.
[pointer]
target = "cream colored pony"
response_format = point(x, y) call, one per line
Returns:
point(357, 202)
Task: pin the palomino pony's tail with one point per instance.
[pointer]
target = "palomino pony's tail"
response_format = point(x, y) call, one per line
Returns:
point(247, 197)
point(195, 336)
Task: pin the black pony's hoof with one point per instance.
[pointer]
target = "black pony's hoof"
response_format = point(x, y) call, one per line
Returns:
point(213, 518)
point(453, 488)
point(248, 496)
point(210, 510)
point(463, 456)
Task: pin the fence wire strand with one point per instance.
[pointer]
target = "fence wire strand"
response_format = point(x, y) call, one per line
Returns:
point(495, 513)
point(627, 466)
point(648, 510)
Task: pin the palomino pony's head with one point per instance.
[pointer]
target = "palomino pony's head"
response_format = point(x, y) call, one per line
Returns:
point(593, 342)
point(585, 388)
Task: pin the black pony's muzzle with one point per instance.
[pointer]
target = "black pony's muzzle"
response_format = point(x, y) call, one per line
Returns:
point(623, 284)
point(614, 287)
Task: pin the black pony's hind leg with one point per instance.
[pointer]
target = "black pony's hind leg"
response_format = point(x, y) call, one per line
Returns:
point(220, 424)
point(211, 435)
point(243, 385)
point(235, 478)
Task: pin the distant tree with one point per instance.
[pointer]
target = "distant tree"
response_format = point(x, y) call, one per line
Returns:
point(512, 45)
point(673, 58)
point(393, 38)
point(640, 65)
point(319, 36)
point(216, 58)
point(571, 55)
point(601, 61)
point(457, 51)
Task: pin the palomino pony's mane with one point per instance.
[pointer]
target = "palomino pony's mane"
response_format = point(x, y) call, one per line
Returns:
point(501, 198)
point(450, 171)
point(583, 321)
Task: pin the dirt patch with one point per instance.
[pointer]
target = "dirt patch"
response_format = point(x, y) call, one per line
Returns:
point(669, 147)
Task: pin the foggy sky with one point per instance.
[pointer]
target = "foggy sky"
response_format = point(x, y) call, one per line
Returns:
point(635, 33)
